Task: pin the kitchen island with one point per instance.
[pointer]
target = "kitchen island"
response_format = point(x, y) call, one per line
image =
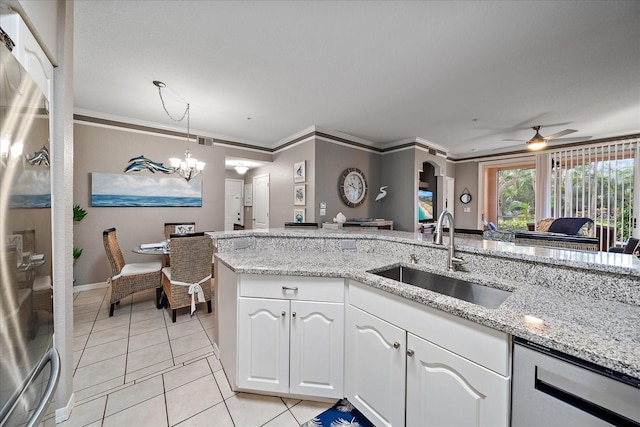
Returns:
point(584, 304)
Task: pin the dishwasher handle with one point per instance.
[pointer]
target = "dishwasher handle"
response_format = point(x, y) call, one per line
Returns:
point(580, 403)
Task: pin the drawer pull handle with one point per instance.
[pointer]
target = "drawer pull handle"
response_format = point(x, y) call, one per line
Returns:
point(289, 288)
point(294, 314)
point(410, 353)
point(284, 314)
point(396, 345)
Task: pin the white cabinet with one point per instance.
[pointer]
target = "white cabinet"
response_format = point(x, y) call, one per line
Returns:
point(391, 371)
point(28, 52)
point(375, 363)
point(289, 345)
point(444, 389)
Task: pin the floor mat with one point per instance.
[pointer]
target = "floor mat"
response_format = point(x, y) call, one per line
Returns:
point(342, 413)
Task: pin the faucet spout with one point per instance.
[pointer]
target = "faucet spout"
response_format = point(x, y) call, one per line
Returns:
point(451, 255)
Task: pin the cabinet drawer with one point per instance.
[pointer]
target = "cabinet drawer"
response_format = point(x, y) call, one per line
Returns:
point(327, 289)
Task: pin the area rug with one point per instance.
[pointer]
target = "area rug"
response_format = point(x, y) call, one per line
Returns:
point(342, 413)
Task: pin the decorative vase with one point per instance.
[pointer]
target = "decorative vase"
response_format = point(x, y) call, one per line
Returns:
point(340, 218)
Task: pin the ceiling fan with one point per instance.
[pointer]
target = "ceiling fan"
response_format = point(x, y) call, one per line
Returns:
point(538, 141)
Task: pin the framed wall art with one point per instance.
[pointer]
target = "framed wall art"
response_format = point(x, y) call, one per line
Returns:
point(299, 215)
point(109, 189)
point(299, 195)
point(299, 171)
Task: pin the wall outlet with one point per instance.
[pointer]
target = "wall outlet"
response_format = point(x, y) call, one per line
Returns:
point(323, 205)
point(348, 245)
point(240, 244)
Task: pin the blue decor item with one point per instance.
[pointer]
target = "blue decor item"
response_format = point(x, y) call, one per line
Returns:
point(141, 163)
point(343, 413)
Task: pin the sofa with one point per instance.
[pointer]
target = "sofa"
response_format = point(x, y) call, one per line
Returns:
point(567, 232)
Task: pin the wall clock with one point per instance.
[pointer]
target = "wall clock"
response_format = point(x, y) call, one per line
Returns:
point(353, 187)
point(465, 197)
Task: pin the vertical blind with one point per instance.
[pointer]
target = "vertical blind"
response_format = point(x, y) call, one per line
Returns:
point(596, 182)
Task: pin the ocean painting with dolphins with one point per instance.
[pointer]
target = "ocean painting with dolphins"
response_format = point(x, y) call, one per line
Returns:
point(109, 189)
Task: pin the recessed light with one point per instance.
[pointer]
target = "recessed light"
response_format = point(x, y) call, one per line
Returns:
point(474, 120)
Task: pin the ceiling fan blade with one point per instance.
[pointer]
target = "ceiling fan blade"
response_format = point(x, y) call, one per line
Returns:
point(515, 140)
point(570, 140)
point(561, 133)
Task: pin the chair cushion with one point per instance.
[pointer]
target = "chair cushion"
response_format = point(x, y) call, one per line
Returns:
point(543, 224)
point(141, 268)
point(569, 226)
point(167, 272)
point(631, 246)
point(41, 283)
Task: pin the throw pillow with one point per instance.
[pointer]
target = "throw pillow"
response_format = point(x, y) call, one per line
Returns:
point(543, 224)
point(586, 230)
point(569, 226)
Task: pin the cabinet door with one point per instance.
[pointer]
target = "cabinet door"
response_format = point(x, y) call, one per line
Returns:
point(263, 344)
point(375, 361)
point(317, 348)
point(444, 389)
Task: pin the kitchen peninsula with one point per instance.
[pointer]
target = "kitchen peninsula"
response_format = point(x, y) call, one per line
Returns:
point(583, 304)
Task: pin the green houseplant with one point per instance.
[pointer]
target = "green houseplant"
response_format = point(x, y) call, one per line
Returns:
point(78, 215)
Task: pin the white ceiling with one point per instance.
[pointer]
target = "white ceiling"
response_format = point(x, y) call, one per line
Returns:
point(380, 71)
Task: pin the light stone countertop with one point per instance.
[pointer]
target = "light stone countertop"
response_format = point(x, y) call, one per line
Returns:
point(600, 331)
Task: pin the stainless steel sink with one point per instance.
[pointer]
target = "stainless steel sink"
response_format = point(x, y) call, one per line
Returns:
point(471, 292)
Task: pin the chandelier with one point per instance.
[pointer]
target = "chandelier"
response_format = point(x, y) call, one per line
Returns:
point(189, 167)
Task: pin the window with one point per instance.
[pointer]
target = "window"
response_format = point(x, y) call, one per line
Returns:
point(596, 182)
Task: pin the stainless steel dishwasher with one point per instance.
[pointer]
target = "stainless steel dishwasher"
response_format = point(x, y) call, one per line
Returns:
point(553, 389)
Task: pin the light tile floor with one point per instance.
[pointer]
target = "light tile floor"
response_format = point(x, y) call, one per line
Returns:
point(138, 368)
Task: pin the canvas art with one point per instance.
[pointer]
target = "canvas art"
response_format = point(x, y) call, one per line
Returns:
point(31, 188)
point(108, 189)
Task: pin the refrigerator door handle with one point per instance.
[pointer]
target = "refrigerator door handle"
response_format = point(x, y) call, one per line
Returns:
point(52, 357)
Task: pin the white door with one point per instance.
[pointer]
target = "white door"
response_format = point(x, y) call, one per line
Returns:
point(233, 203)
point(317, 348)
point(444, 389)
point(263, 344)
point(261, 201)
point(375, 362)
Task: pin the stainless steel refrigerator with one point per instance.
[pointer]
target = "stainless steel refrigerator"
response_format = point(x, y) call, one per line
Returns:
point(29, 364)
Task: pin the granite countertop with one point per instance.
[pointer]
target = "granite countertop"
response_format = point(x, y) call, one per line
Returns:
point(599, 331)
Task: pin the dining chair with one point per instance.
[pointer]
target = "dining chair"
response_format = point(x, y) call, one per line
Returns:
point(178, 228)
point(190, 273)
point(127, 279)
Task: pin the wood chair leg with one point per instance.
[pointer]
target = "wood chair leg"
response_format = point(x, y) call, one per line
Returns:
point(111, 309)
point(173, 315)
point(209, 306)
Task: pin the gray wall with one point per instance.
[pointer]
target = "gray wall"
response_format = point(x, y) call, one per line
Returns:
point(281, 183)
point(107, 150)
point(331, 160)
point(397, 172)
point(467, 177)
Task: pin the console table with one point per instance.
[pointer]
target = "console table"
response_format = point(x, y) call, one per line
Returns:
point(380, 224)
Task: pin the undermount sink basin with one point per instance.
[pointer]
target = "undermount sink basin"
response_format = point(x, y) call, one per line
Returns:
point(471, 292)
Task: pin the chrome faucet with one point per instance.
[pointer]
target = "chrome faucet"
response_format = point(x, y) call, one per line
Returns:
point(413, 259)
point(452, 261)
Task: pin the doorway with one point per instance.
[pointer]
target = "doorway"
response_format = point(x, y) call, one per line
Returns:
point(233, 211)
point(261, 201)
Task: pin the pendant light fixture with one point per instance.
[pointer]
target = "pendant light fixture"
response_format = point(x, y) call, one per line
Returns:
point(189, 167)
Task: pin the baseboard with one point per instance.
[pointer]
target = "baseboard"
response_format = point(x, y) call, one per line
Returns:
point(216, 350)
point(90, 286)
point(63, 414)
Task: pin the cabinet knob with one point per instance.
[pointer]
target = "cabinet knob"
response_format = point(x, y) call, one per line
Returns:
point(410, 353)
point(284, 314)
point(293, 314)
point(396, 345)
point(289, 288)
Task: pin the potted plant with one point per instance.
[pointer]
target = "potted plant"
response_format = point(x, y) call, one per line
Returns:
point(78, 215)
